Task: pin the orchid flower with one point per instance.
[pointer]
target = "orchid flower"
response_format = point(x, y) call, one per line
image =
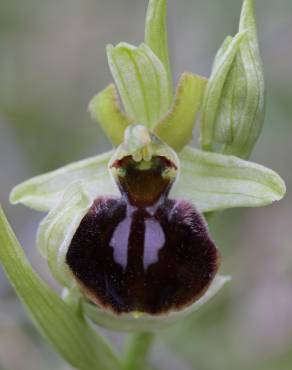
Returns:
point(126, 234)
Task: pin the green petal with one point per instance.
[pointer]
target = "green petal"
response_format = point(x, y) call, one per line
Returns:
point(221, 68)
point(106, 110)
point(177, 127)
point(156, 35)
point(214, 182)
point(128, 323)
point(43, 192)
point(142, 82)
point(71, 336)
point(58, 228)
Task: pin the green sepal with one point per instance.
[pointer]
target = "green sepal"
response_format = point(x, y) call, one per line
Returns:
point(156, 36)
point(71, 336)
point(142, 82)
point(56, 231)
point(43, 192)
point(220, 70)
point(177, 126)
point(246, 89)
point(213, 182)
point(144, 322)
point(106, 110)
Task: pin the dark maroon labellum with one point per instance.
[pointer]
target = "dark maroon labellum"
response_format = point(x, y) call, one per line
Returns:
point(143, 252)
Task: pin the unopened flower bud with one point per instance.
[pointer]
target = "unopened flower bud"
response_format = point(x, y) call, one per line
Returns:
point(233, 110)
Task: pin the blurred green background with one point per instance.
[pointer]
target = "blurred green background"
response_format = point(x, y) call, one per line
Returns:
point(52, 61)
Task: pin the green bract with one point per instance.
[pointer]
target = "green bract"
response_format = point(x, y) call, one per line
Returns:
point(142, 117)
point(233, 111)
point(213, 95)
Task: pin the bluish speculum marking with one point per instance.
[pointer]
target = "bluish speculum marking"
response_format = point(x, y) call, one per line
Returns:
point(143, 251)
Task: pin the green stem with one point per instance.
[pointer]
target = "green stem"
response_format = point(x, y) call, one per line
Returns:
point(138, 349)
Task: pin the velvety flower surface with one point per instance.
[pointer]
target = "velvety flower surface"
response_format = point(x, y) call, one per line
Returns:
point(125, 234)
point(143, 251)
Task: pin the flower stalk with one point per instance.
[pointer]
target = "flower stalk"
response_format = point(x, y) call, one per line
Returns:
point(138, 350)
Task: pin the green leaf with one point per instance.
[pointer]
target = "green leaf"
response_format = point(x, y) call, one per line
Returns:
point(221, 68)
point(247, 89)
point(129, 323)
point(70, 335)
point(44, 191)
point(142, 82)
point(215, 182)
point(177, 126)
point(156, 35)
point(56, 231)
point(106, 110)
